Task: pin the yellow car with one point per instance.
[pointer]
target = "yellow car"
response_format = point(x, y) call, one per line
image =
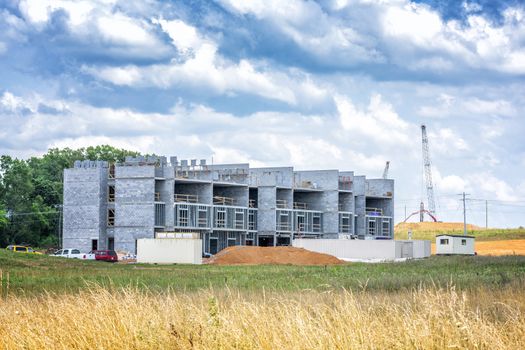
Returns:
point(21, 249)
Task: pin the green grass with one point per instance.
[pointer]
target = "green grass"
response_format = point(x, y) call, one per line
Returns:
point(33, 275)
point(481, 235)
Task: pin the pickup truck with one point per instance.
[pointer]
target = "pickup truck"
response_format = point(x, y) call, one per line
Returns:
point(69, 253)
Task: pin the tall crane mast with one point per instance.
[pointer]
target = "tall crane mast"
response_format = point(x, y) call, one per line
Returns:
point(385, 172)
point(428, 171)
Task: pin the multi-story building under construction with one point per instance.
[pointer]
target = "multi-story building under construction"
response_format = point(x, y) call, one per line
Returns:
point(111, 206)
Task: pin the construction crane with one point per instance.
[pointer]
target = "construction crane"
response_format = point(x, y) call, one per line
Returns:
point(428, 172)
point(385, 172)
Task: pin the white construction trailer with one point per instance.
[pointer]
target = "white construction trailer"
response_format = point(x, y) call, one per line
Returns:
point(454, 245)
point(169, 251)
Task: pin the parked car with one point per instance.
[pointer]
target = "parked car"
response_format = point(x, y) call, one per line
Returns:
point(106, 255)
point(21, 249)
point(70, 253)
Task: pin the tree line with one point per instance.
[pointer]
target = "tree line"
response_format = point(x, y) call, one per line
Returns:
point(31, 192)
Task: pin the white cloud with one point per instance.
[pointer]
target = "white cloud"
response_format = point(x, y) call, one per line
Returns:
point(412, 22)
point(306, 141)
point(205, 68)
point(478, 44)
point(488, 159)
point(329, 39)
point(491, 131)
point(13, 104)
point(183, 36)
point(449, 106)
point(96, 22)
point(447, 141)
point(119, 29)
point(39, 11)
point(471, 6)
point(411, 35)
point(489, 186)
point(450, 183)
point(379, 122)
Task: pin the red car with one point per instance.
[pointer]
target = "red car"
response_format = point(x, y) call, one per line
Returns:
point(106, 255)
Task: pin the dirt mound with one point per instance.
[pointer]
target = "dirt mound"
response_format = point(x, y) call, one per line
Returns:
point(243, 255)
point(435, 226)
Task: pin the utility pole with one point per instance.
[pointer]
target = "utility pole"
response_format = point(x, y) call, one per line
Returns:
point(486, 214)
point(405, 212)
point(464, 212)
point(59, 226)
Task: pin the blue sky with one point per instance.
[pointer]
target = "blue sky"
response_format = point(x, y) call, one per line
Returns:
point(330, 84)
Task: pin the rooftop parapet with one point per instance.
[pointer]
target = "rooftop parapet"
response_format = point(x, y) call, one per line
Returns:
point(141, 160)
point(90, 164)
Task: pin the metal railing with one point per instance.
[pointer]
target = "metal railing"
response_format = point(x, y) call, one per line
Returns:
point(219, 200)
point(281, 203)
point(187, 198)
point(374, 211)
point(300, 205)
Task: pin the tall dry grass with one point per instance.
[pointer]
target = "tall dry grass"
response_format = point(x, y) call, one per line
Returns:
point(133, 319)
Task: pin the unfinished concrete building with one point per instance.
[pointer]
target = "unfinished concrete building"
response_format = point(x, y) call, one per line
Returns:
point(111, 206)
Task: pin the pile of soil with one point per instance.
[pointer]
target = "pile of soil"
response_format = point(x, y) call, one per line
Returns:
point(245, 255)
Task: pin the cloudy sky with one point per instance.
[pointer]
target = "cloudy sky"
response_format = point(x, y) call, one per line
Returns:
point(330, 84)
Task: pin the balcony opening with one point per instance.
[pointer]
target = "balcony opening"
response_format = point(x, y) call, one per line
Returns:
point(111, 193)
point(111, 217)
point(111, 172)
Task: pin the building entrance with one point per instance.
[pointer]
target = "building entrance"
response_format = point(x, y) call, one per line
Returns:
point(266, 241)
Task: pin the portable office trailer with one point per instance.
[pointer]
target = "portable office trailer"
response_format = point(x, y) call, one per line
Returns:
point(454, 245)
point(169, 251)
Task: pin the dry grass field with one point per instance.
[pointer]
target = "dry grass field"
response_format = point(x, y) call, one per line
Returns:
point(52, 303)
point(506, 247)
point(136, 319)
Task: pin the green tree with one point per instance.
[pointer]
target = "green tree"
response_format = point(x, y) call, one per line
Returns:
point(3, 218)
point(48, 172)
point(17, 196)
point(31, 190)
point(108, 153)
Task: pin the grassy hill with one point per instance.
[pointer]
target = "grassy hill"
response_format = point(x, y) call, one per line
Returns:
point(429, 230)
